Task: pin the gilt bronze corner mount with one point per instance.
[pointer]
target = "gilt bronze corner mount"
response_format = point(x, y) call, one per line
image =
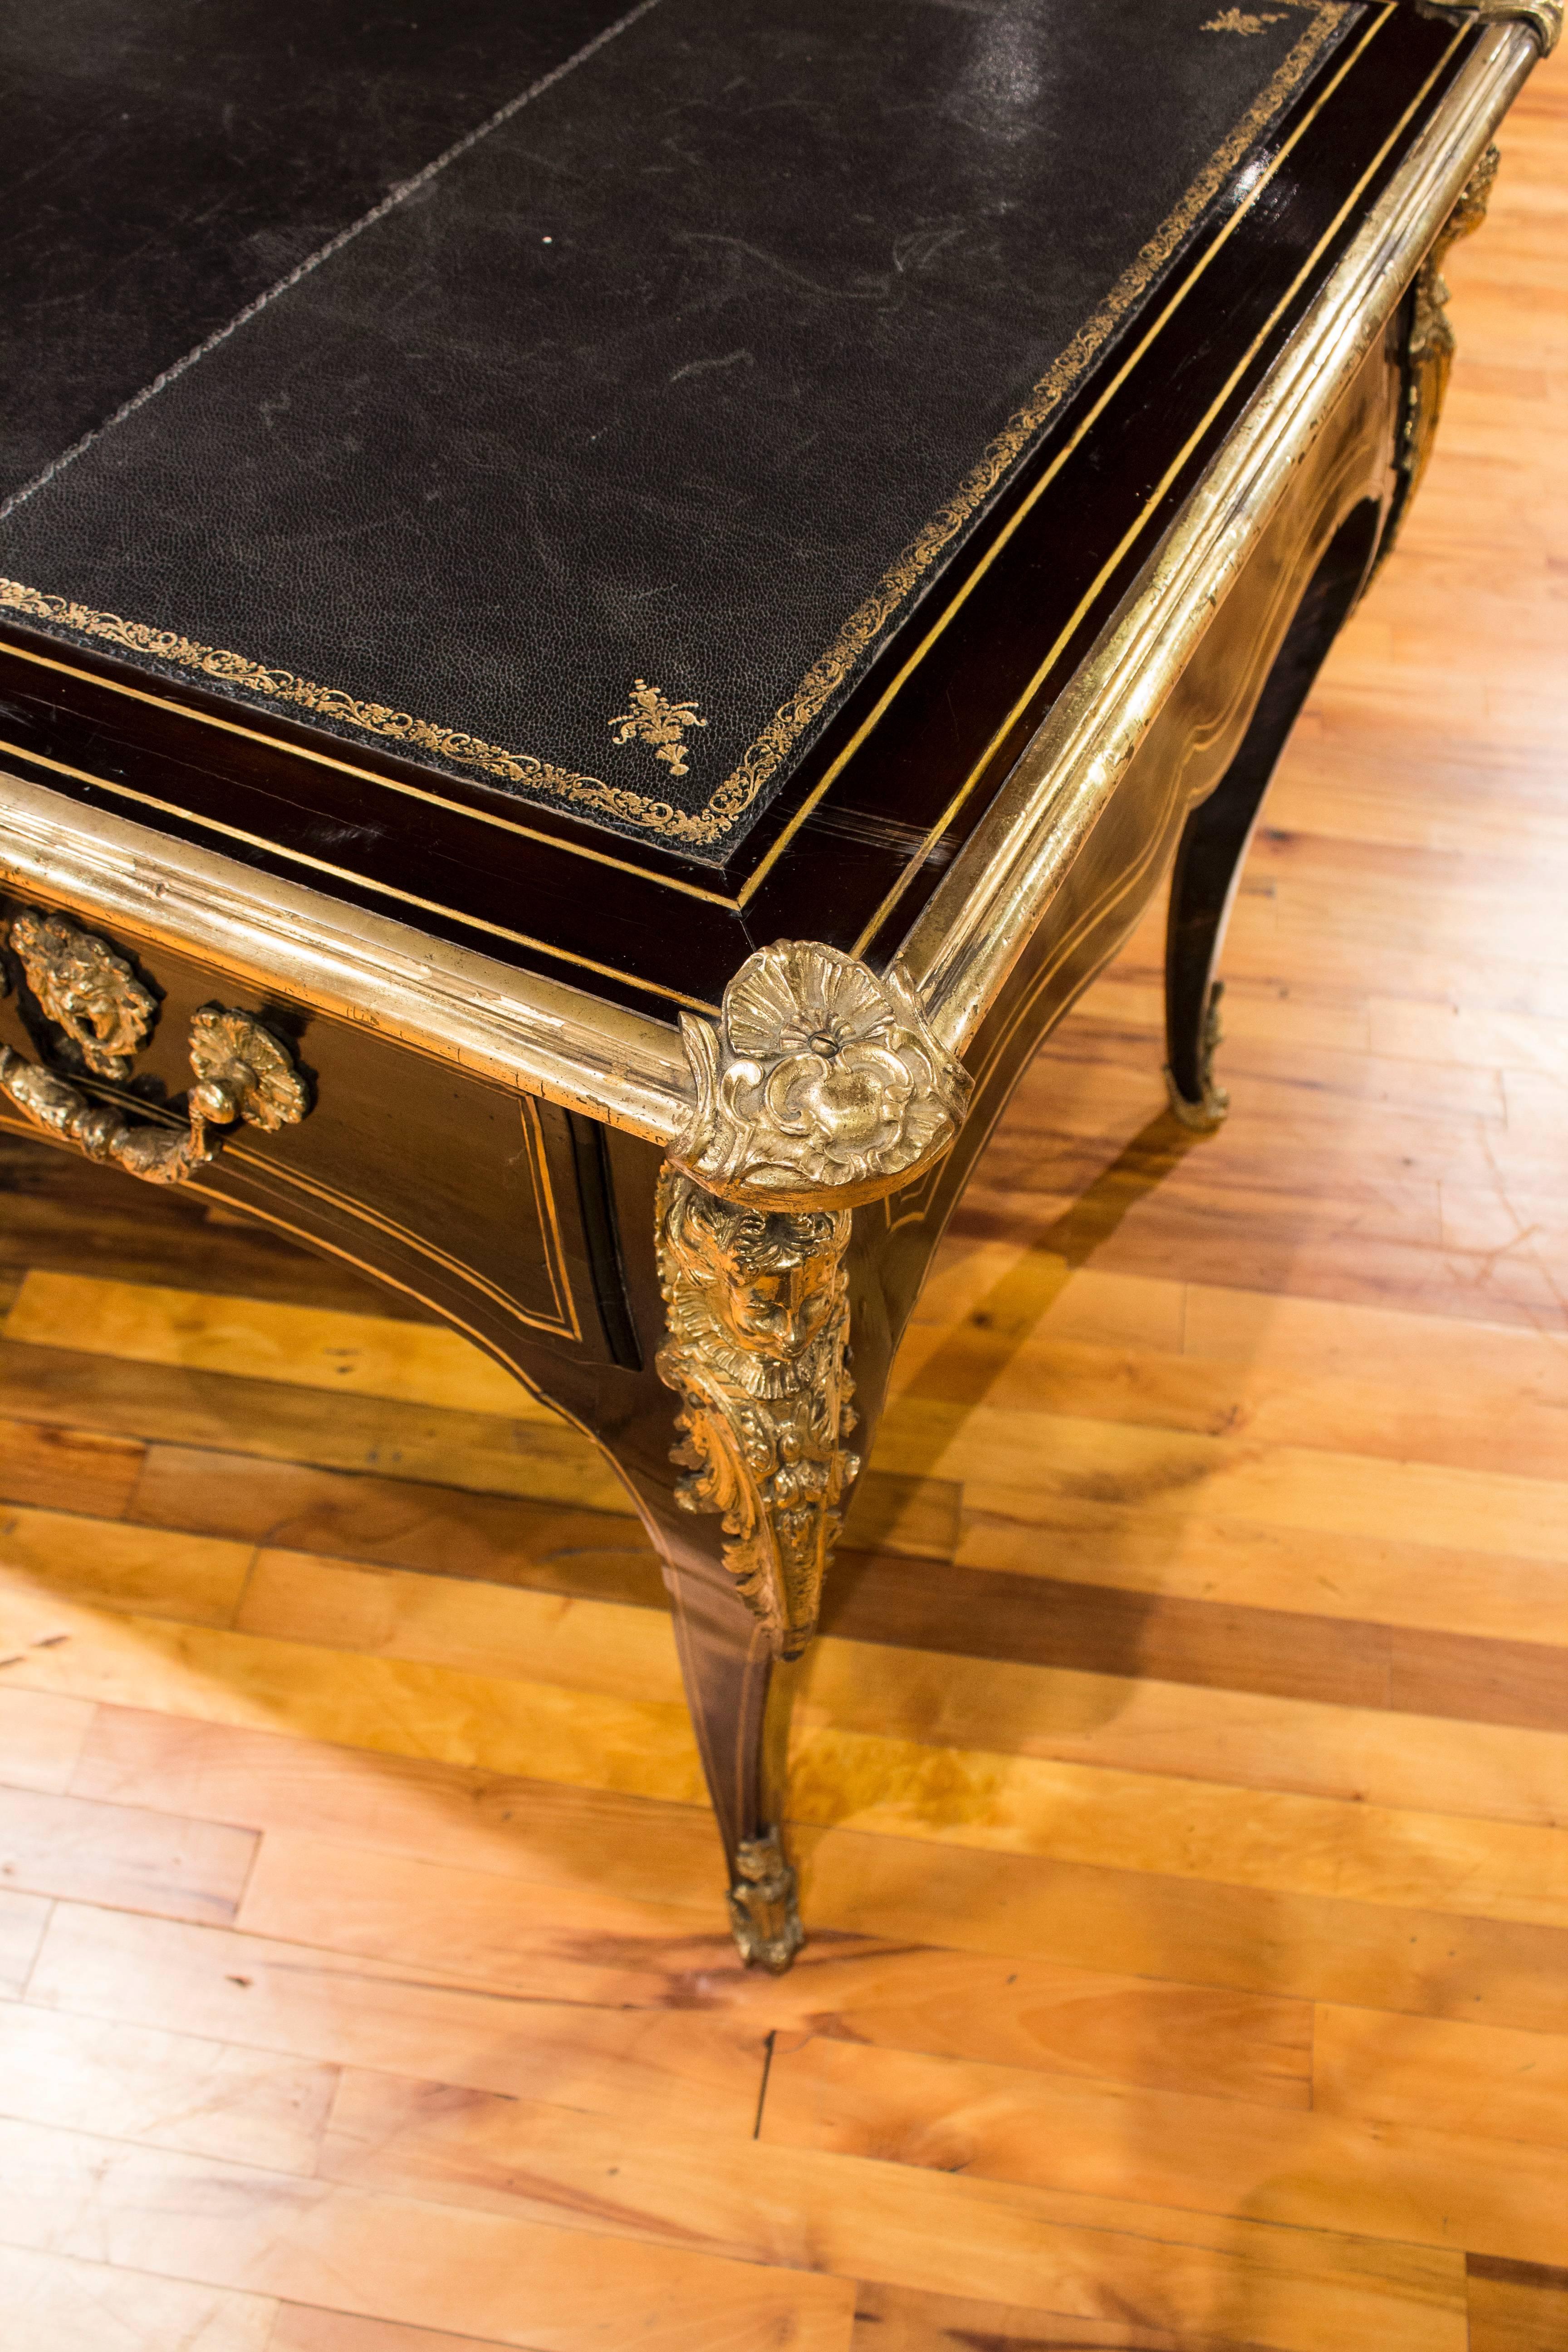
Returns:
point(823, 1087)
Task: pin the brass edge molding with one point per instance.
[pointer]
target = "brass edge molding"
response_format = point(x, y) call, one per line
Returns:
point(538, 1035)
point(971, 934)
point(1544, 17)
point(705, 827)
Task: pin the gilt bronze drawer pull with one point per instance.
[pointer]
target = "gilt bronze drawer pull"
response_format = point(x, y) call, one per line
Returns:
point(244, 1075)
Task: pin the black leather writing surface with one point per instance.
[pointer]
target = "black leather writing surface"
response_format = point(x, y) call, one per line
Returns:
point(599, 466)
point(163, 163)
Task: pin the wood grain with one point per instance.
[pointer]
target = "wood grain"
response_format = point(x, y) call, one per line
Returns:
point(1307, 2171)
point(1102, 2257)
point(117, 1854)
point(55, 2303)
point(391, 2257)
point(1517, 2306)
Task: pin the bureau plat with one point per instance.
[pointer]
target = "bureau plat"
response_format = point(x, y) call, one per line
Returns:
point(605, 616)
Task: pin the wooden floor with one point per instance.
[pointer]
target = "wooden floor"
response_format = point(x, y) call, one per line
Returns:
point(1182, 1790)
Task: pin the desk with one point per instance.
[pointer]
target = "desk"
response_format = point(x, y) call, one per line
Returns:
point(605, 619)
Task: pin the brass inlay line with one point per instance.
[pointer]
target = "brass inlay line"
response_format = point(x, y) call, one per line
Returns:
point(1064, 634)
point(566, 1318)
point(949, 611)
point(764, 757)
point(362, 775)
point(362, 881)
point(760, 763)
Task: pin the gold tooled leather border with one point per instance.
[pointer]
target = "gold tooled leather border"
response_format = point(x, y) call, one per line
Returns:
point(704, 827)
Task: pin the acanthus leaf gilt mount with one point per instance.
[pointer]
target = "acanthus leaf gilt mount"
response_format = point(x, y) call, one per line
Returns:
point(822, 1087)
point(759, 1330)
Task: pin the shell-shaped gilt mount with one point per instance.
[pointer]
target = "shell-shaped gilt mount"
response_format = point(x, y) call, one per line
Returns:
point(84, 988)
point(822, 1082)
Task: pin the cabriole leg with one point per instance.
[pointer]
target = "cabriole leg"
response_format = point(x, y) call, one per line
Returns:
point(759, 1324)
point(1214, 838)
point(739, 1697)
point(821, 1089)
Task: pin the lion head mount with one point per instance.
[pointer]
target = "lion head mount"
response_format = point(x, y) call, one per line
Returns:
point(820, 1081)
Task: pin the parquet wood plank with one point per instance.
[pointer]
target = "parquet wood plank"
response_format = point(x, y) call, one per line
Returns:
point(427, 1807)
point(1517, 2306)
point(122, 1855)
point(1064, 1813)
point(298, 2330)
point(365, 1355)
point(165, 2089)
point(1470, 2079)
point(438, 1530)
point(1014, 1456)
point(902, 2319)
point(1435, 1416)
point(43, 1465)
point(535, 1728)
point(1124, 1821)
point(595, 2049)
point(583, 1644)
point(1309, 1947)
point(146, 1570)
point(1378, 1577)
point(1308, 2171)
point(482, 1928)
point(41, 1738)
point(1101, 2256)
point(1019, 1326)
point(535, 1460)
point(388, 2257)
point(23, 1918)
point(55, 2303)
point(1199, 1730)
point(507, 1933)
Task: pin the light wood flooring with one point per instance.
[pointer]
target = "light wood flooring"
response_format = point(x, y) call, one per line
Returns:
point(1181, 1789)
